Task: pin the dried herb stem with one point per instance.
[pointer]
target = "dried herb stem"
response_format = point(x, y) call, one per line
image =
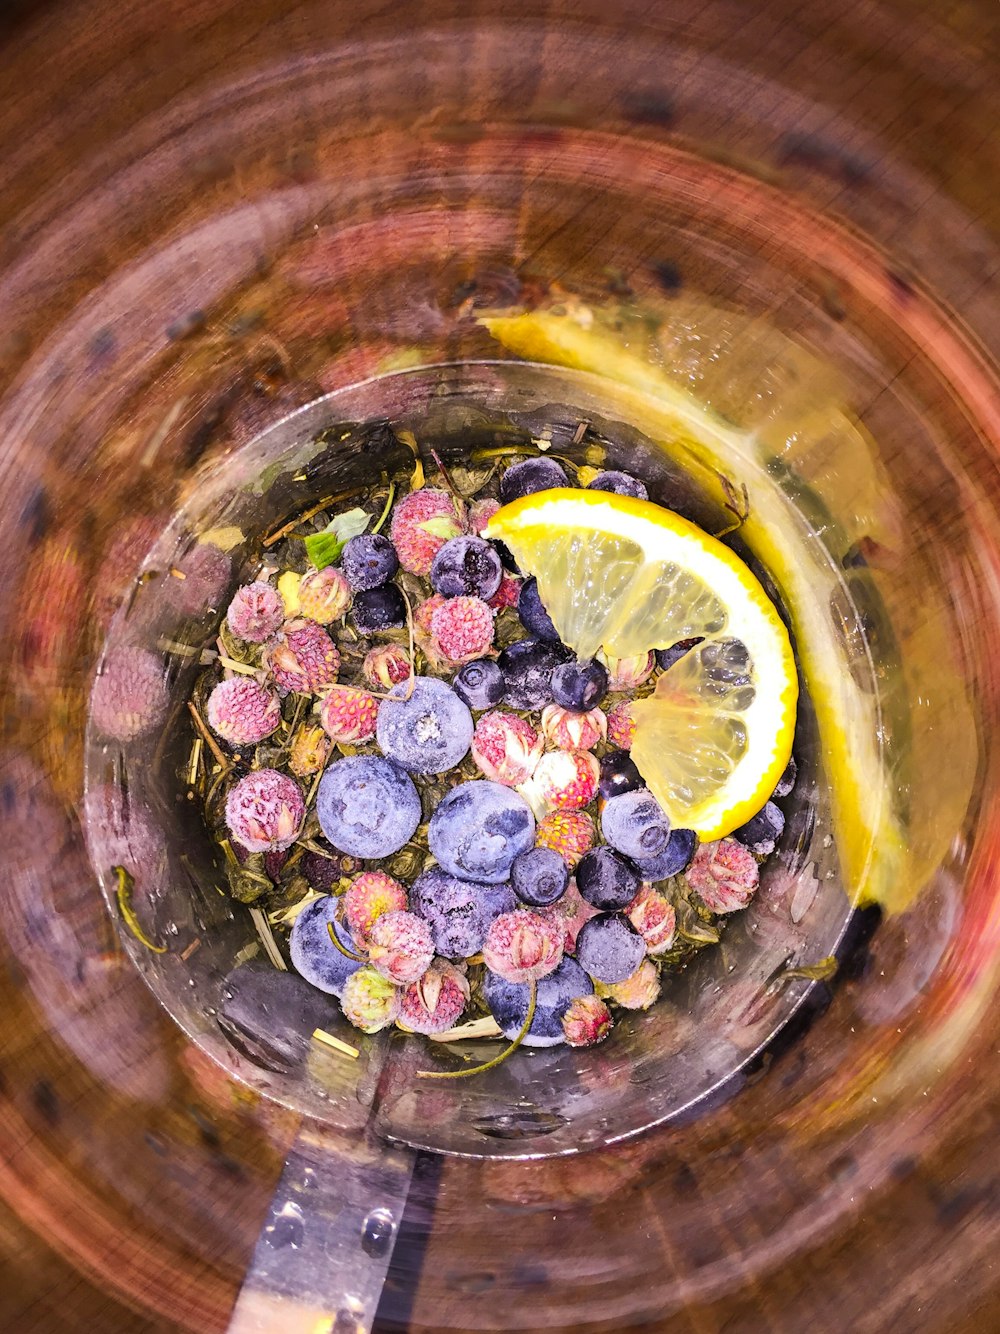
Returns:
point(123, 893)
point(497, 1060)
point(208, 737)
point(286, 528)
point(233, 666)
point(196, 749)
point(267, 939)
point(388, 506)
point(337, 1045)
point(348, 954)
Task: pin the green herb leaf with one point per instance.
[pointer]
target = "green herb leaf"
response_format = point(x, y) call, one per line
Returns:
point(440, 527)
point(324, 548)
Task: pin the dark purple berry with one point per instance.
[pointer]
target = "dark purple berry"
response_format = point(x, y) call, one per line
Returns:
point(369, 561)
point(621, 483)
point(762, 831)
point(539, 877)
point(607, 880)
point(322, 872)
point(480, 684)
point(635, 825)
point(787, 780)
point(666, 657)
point(458, 912)
point(508, 1002)
point(532, 614)
point(609, 948)
point(618, 774)
point(377, 609)
point(529, 476)
point(673, 859)
point(478, 829)
point(579, 685)
point(527, 667)
point(466, 567)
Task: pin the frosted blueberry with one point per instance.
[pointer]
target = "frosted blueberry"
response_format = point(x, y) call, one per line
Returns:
point(478, 829)
point(367, 806)
point(427, 733)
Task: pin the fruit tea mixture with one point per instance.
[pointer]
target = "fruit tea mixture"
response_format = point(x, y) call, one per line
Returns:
point(500, 749)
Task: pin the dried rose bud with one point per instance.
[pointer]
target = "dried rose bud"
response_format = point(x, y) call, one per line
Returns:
point(565, 780)
point(627, 673)
point(569, 914)
point(385, 666)
point(522, 946)
point(570, 833)
point(434, 1003)
point(569, 730)
point(637, 992)
point(507, 595)
point(368, 897)
point(243, 712)
point(265, 810)
point(309, 750)
point(462, 629)
point(621, 725)
point(724, 875)
point(586, 1022)
point(369, 1000)
point(324, 595)
point(506, 748)
point(402, 946)
point(348, 713)
point(302, 658)
point(652, 915)
point(130, 696)
point(256, 612)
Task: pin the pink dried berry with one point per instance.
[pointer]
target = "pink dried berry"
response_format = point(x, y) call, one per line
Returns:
point(402, 946)
point(506, 748)
point(130, 696)
point(480, 513)
point(368, 897)
point(570, 833)
point(423, 615)
point(242, 711)
point(324, 595)
point(264, 811)
point(303, 658)
point(566, 780)
point(639, 991)
point(421, 524)
point(724, 875)
point(621, 726)
point(348, 713)
point(385, 666)
point(627, 673)
point(652, 915)
point(586, 1022)
point(462, 627)
point(369, 1000)
point(522, 946)
point(507, 594)
point(434, 1003)
point(256, 612)
point(569, 730)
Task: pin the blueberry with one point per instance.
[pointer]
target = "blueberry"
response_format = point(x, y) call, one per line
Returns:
point(666, 657)
point(478, 829)
point(539, 877)
point(532, 614)
point(579, 685)
point(528, 476)
point(458, 912)
point(609, 948)
point(635, 825)
point(479, 684)
point(762, 831)
point(606, 879)
point(527, 667)
point(369, 561)
point(506, 555)
point(427, 733)
point(466, 567)
point(314, 954)
point(673, 859)
point(367, 806)
point(787, 780)
point(377, 609)
point(621, 483)
point(508, 1002)
point(618, 774)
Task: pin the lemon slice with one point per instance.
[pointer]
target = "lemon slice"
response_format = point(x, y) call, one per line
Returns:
point(627, 576)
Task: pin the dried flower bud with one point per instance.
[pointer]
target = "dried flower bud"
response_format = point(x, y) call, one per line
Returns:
point(324, 595)
point(565, 780)
point(434, 1003)
point(348, 713)
point(369, 896)
point(265, 810)
point(586, 1022)
point(309, 750)
point(506, 748)
point(637, 992)
point(570, 833)
point(569, 730)
point(724, 875)
point(385, 666)
point(130, 696)
point(652, 915)
point(522, 946)
point(243, 712)
point(302, 658)
point(627, 673)
point(256, 612)
point(402, 946)
point(369, 1000)
point(621, 725)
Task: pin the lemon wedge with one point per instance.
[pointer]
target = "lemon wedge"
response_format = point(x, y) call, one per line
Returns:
point(627, 576)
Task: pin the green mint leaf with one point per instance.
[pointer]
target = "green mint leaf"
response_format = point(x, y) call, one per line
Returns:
point(325, 548)
point(440, 527)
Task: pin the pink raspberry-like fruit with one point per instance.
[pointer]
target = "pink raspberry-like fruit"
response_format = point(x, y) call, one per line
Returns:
point(480, 513)
point(309, 750)
point(385, 666)
point(566, 780)
point(303, 658)
point(423, 615)
point(570, 833)
point(522, 946)
point(324, 595)
point(434, 1003)
point(130, 696)
point(369, 897)
point(462, 628)
point(506, 748)
point(569, 730)
point(256, 612)
point(507, 594)
point(348, 713)
point(586, 1022)
point(242, 711)
point(369, 1000)
point(627, 673)
point(724, 875)
point(637, 992)
point(621, 726)
point(652, 915)
point(402, 946)
point(421, 524)
point(569, 914)
point(264, 811)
